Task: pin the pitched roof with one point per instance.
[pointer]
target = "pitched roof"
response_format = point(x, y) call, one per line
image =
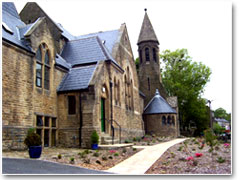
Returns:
point(13, 22)
point(10, 8)
point(158, 105)
point(108, 37)
point(147, 32)
point(82, 51)
point(77, 78)
point(86, 50)
point(62, 62)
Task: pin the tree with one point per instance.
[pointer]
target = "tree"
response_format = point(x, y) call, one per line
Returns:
point(186, 79)
point(222, 113)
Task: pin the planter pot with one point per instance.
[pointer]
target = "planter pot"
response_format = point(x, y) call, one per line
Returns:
point(94, 146)
point(35, 151)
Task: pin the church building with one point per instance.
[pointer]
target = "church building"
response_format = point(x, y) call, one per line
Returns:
point(67, 86)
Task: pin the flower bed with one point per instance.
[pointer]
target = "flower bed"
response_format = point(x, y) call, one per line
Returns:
point(194, 156)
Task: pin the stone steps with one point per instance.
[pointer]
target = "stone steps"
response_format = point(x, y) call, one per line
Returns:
point(107, 139)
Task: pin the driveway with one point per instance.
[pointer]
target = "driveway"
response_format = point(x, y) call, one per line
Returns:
point(29, 166)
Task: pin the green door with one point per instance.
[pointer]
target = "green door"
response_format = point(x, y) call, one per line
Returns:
point(102, 115)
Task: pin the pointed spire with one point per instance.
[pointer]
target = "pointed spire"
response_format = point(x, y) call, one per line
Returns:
point(157, 93)
point(147, 32)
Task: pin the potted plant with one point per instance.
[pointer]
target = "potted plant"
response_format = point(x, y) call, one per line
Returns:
point(94, 140)
point(34, 143)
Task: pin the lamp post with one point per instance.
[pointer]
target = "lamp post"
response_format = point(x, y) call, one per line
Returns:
point(210, 114)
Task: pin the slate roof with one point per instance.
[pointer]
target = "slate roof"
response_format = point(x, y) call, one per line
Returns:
point(10, 8)
point(158, 105)
point(147, 32)
point(12, 20)
point(62, 62)
point(110, 38)
point(65, 33)
point(77, 78)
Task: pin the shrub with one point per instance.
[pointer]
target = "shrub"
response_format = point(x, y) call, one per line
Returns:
point(97, 161)
point(134, 149)
point(82, 155)
point(104, 158)
point(87, 161)
point(94, 137)
point(116, 154)
point(218, 129)
point(86, 151)
point(124, 150)
point(72, 159)
point(220, 160)
point(180, 148)
point(96, 154)
point(210, 138)
point(128, 141)
point(110, 157)
point(32, 139)
point(59, 156)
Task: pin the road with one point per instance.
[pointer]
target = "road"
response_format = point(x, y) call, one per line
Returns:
point(30, 166)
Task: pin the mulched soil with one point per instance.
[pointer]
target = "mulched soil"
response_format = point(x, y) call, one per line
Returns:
point(174, 160)
point(92, 159)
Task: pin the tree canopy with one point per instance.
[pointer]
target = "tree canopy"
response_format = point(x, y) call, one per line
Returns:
point(186, 79)
point(222, 113)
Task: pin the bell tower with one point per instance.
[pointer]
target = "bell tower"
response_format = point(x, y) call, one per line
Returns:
point(149, 65)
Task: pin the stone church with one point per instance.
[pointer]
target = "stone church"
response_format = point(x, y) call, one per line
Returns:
point(66, 86)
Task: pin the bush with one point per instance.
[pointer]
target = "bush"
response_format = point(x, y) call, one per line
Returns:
point(72, 159)
point(86, 151)
point(116, 154)
point(96, 154)
point(218, 129)
point(32, 139)
point(59, 156)
point(104, 158)
point(128, 141)
point(94, 137)
point(110, 157)
point(220, 160)
point(124, 150)
point(134, 149)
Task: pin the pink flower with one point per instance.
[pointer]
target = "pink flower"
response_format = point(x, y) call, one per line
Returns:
point(226, 145)
point(190, 158)
point(112, 151)
point(198, 154)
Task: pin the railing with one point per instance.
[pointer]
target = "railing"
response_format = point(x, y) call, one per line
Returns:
point(113, 130)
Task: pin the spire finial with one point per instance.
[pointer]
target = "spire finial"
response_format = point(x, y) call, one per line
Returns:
point(145, 9)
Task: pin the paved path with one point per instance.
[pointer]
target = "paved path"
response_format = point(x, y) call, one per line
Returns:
point(142, 161)
point(29, 166)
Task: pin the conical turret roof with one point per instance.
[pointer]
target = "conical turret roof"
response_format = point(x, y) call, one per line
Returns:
point(147, 32)
point(158, 105)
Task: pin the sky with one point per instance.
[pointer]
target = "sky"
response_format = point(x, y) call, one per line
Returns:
point(202, 27)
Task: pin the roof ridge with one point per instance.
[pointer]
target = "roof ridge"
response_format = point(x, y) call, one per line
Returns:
point(98, 32)
point(92, 37)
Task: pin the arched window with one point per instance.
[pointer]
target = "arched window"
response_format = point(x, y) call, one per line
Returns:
point(148, 83)
point(115, 90)
point(118, 94)
point(43, 67)
point(126, 95)
point(169, 120)
point(147, 54)
point(154, 55)
point(163, 120)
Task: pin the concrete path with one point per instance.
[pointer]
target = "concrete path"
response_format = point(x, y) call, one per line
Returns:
point(140, 162)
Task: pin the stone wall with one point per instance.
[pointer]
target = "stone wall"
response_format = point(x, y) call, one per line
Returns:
point(22, 100)
point(153, 125)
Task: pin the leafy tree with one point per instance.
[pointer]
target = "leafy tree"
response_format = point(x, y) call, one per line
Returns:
point(222, 113)
point(137, 64)
point(186, 79)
